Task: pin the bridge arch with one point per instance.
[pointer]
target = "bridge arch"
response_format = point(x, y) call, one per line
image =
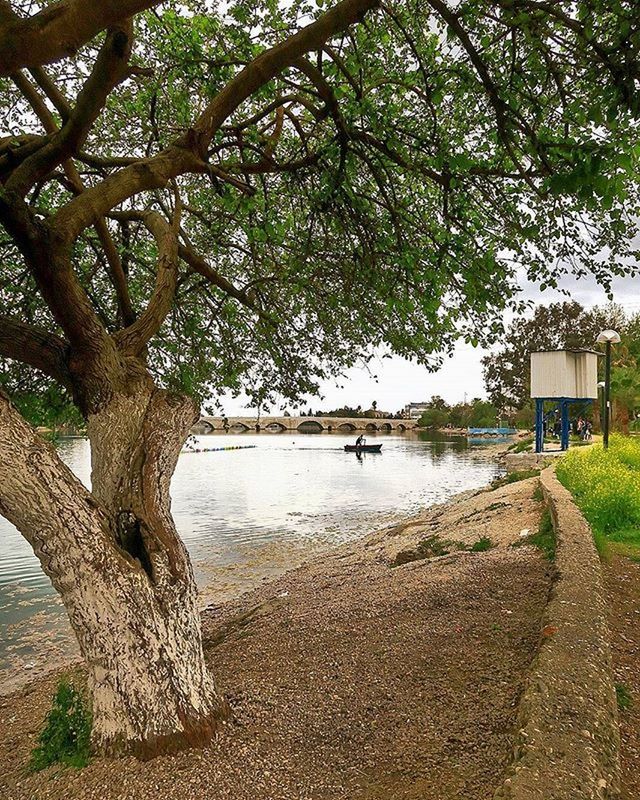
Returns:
point(275, 427)
point(386, 426)
point(238, 427)
point(310, 426)
point(346, 426)
point(371, 426)
point(203, 426)
point(401, 427)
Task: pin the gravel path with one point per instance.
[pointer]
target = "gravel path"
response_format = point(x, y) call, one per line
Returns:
point(349, 677)
point(622, 577)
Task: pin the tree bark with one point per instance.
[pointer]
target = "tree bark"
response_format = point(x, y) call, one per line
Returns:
point(123, 574)
point(621, 416)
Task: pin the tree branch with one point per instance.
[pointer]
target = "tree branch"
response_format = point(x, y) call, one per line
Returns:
point(49, 260)
point(189, 153)
point(115, 264)
point(133, 339)
point(57, 31)
point(34, 346)
point(270, 63)
point(199, 265)
point(54, 94)
point(109, 69)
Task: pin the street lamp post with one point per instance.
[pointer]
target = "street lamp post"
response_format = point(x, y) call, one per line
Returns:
point(601, 401)
point(607, 338)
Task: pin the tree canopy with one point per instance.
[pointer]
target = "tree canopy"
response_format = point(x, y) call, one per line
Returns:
point(252, 196)
point(564, 325)
point(476, 414)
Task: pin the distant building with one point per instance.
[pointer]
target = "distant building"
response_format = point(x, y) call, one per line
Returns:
point(415, 410)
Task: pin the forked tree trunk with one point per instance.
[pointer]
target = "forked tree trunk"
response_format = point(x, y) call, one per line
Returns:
point(123, 574)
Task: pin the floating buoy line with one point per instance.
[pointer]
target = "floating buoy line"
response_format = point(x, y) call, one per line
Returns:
point(219, 449)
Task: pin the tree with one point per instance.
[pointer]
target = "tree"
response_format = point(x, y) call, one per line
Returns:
point(252, 198)
point(433, 418)
point(437, 402)
point(625, 374)
point(524, 418)
point(567, 325)
point(460, 414)
point(483, 414)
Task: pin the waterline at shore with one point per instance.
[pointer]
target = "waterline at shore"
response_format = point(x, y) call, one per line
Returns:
point(247, 516)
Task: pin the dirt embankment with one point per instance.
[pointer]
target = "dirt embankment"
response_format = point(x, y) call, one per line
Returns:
point(350, 677)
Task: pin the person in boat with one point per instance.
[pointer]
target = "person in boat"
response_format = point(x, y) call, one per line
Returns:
point(360, 440)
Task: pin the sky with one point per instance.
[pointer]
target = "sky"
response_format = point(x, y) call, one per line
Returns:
point(400, 381)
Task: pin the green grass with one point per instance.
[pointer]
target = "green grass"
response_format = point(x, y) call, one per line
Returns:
point(606, 486)
point(538, 493)
point(514, 477)
point(544, 539)
point(521, 446)
point(483, 543)
point(623, 697)
point(66, 736)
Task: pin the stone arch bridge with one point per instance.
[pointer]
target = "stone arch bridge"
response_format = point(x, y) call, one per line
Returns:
point(302, 424)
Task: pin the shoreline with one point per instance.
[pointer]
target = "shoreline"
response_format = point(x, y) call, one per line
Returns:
point(271, 561)
point(55, 648)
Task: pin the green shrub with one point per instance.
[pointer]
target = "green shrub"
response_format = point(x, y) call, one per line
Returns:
point(606, 486)
point(65, 738)
point(483, 543)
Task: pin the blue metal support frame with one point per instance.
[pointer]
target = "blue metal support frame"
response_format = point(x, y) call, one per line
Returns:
point(539, 425)
point(564, 403)
point(564, 418)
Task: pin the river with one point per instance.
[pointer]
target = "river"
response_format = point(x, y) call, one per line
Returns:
point(248, 514)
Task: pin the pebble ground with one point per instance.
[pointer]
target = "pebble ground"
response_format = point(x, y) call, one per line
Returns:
point(347, 677)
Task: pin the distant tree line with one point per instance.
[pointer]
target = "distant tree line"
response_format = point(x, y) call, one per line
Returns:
point(507, 372)
point(354, 413)
point(476, 414)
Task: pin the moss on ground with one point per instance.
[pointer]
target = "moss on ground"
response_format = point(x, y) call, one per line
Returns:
point(433, 547)
point(65, 738)
point(544, 539)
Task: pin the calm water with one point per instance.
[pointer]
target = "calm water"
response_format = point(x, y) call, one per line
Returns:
point(290, 489)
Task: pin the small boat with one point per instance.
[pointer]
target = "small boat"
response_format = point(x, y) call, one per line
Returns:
point(362, 448)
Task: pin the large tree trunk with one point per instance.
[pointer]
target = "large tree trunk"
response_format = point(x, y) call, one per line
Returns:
point(123, 574)
point(621, 416)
